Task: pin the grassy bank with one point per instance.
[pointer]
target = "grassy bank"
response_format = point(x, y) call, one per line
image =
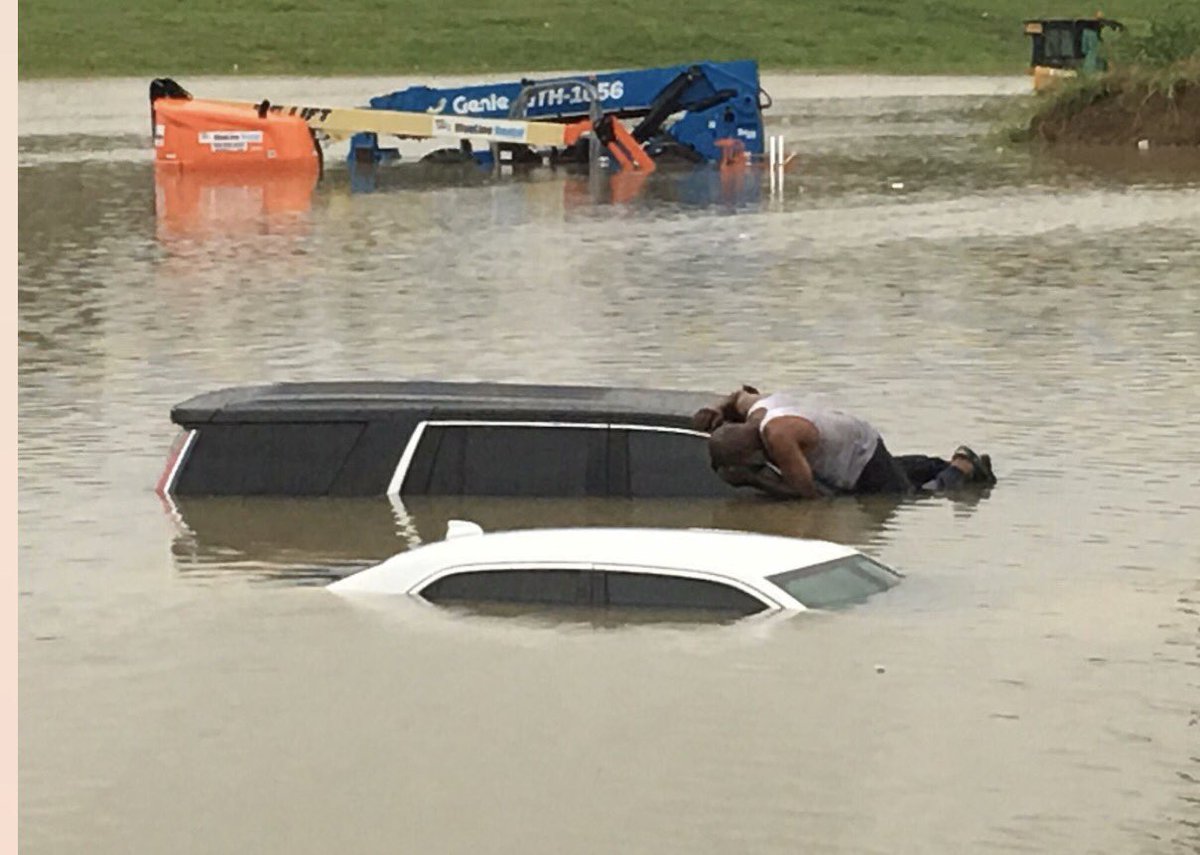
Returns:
point(1151, 93)
point(79, 38)
point(1160, 106)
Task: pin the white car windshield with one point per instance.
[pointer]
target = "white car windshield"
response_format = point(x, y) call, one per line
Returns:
point(840, 582)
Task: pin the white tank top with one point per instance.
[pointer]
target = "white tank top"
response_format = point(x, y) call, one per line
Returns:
point(845, 443)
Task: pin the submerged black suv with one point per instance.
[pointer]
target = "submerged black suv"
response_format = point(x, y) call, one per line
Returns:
point(428, 438)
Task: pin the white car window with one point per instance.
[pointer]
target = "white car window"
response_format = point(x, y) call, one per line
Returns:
point(597, 588)
point(654, 590)
point(840, 582)
point(542, 586)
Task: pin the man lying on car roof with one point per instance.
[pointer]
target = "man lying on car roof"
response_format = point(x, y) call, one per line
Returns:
point(793, 446)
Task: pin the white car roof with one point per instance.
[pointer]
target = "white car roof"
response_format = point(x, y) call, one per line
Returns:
point(744, 556)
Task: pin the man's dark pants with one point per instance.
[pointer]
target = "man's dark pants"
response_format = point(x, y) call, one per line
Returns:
point(905, 473)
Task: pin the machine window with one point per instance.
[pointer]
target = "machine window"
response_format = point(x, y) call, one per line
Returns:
point(1060, 44)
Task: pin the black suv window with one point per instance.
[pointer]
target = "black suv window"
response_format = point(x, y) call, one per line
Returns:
point(667, 464)
point(651, 590)
point(541, 586)
point(279, 458)
point(508, 460)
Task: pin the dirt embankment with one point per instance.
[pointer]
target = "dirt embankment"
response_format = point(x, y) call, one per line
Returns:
point(1123, 115)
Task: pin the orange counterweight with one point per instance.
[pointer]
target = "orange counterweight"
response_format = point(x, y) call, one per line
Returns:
point(209, 135)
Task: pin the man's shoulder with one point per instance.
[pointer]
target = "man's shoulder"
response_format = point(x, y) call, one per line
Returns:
point(797, 398)
point(787, 426)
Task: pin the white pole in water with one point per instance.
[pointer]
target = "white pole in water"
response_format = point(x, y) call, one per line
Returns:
point(779, 161)
point(775, 161)
point(771, 162)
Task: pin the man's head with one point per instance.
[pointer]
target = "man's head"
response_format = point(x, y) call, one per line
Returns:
point(741, 401)
point(735, 444)
point(731, 408)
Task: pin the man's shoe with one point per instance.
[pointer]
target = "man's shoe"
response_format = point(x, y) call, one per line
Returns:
point(981, 466)
point(949, 480)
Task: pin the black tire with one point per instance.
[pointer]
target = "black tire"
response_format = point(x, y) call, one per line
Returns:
point(448, 157)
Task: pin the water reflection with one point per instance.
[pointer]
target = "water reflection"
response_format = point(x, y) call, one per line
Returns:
point(277, 537)
point(326, 538)
point(197, 205)
point(733, 186)
point(1118, 166)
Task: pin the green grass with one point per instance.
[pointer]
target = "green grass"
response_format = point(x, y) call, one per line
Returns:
point(85, 38)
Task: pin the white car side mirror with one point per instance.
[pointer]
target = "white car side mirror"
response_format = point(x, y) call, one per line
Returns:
point(462, 528)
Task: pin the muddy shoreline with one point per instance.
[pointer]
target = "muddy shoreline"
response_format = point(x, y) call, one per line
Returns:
point(1124, 113)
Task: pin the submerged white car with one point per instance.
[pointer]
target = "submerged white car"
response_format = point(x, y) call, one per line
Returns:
point(669, 569)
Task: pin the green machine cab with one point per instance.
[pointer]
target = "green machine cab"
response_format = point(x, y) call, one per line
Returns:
point(1062, 47)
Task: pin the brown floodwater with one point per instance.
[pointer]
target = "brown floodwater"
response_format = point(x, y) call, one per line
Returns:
point(1033, 685)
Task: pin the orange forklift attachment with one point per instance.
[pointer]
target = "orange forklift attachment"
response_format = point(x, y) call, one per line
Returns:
point(625, 150)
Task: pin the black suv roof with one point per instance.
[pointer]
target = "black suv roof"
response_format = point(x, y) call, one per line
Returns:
point(356, 401)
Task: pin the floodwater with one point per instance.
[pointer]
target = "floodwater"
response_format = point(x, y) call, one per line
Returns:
point(1033, 685)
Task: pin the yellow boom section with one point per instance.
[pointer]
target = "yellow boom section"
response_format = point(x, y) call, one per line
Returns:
point(343, 121)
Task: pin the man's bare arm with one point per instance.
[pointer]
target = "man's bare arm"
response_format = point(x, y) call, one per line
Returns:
point(712, 416)
point(788, 455)
point(767, 479)
point(707, 419)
